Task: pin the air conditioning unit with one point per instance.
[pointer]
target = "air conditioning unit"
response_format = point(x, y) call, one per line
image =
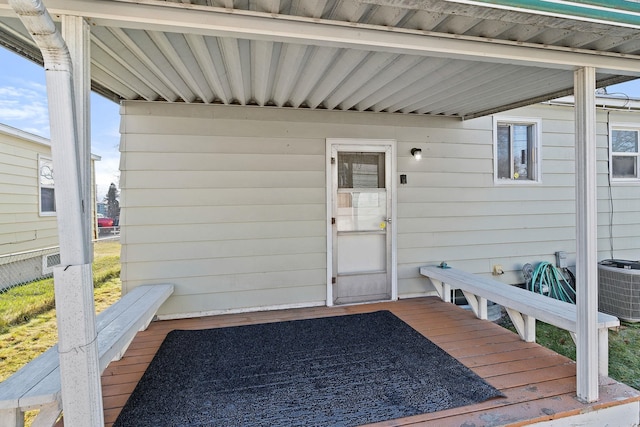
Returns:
point(619, 289)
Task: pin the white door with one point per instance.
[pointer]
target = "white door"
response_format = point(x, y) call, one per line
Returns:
point(361, 221)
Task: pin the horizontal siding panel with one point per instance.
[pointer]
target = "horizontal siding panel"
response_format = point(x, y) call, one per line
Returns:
point(419, 179)
point(223, 162)
point(22, 149)
point(28, 227)
point(474, 209)
point(199, 144)
point(226, 179)
point(27, 163)
point(221, 232)
point(223, 249)
point(438, 150)
point(10, 169)
point(491, 237)
point(242, 282)
point(26, 217)
point(18, 190)
point(17, 208)
point(19, 199)
point(168, 270)
point(20, 180)
point(497, 194)
point(482, 252)
point(222, 197)
point(224, 214)
point(416, 224)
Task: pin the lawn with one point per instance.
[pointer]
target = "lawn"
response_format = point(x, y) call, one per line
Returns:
point(27, 313)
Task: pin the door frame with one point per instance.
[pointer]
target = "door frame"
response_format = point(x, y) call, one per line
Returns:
point(353, 144)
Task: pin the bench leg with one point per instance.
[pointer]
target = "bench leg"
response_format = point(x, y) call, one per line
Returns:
point(478, 305)
point(443, 289)
point(11, 418)
point(524, 324)
point(603, 352)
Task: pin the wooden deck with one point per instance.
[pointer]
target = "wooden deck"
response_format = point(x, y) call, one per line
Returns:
point(539, 384)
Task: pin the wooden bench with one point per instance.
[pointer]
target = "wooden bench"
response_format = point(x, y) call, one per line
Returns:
point(37, 384)
point(522, 306)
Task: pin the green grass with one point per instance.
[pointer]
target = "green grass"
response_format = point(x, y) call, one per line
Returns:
point(624, 357)
point(27, 314)
point(20, 304)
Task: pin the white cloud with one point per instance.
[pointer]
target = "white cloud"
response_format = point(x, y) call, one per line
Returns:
point(25, 108)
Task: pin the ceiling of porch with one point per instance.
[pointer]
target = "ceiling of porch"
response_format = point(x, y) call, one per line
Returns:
point(403, 56)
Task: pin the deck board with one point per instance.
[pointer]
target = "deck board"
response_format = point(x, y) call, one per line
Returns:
point(539, 384)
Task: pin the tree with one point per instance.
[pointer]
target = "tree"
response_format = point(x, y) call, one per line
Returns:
point(113, 205)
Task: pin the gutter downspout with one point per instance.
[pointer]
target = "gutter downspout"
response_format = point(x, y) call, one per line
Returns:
point(73, 281)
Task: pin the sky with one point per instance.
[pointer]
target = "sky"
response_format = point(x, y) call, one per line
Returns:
point(23, 105)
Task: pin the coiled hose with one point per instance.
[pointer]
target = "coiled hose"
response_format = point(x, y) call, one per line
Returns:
point(547, 280)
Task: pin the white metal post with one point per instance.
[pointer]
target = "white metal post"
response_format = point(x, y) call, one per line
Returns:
point(70, 148)
point(586, 235)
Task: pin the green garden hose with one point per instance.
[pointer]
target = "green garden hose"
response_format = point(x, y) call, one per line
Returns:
point(548, 280)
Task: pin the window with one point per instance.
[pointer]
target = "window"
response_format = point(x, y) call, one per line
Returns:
point(624, 153)
point(45, 182)
point(516, 150)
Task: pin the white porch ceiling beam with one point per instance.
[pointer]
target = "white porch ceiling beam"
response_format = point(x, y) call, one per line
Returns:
point(538, 78)
point(261, 58)
point(119, 72)
point(175, 17)
point(320, 60)
point(369, 69)
point(165, 46)
point(442, 96)
point(290, 63)
point(199, 48)
point(231, 54)
point(125, 58)
point(400, 66)
point(144, 58)
point(440, 70)
point(344, 65)
point(458, 73)
point(402, 82)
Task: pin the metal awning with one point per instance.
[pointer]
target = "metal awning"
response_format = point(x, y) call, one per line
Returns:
point(403, 56)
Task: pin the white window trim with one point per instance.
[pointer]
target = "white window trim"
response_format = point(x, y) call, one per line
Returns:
point(40, 212)
point(622, 126)
point(537, 149)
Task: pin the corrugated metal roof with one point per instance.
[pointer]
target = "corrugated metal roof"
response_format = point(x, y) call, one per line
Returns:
point(256, 60)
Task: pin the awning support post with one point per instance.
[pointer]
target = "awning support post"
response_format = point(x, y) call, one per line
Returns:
point(586, 235)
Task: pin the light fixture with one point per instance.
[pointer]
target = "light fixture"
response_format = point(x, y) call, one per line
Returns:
point(416, 153)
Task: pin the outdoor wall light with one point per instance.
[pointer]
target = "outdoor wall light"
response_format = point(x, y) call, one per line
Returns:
point(416, 153)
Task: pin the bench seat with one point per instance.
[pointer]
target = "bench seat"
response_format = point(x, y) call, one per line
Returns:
point(522, 306)
point(37, 384)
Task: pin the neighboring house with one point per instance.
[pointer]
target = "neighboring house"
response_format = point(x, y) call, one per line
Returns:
point(28, 227)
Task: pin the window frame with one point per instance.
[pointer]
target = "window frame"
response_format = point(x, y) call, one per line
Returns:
point(536, 147)
point(625, 127)
point(41, 212)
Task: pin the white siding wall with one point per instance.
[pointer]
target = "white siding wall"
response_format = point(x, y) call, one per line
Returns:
point(229, 202)
point(21, 227)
